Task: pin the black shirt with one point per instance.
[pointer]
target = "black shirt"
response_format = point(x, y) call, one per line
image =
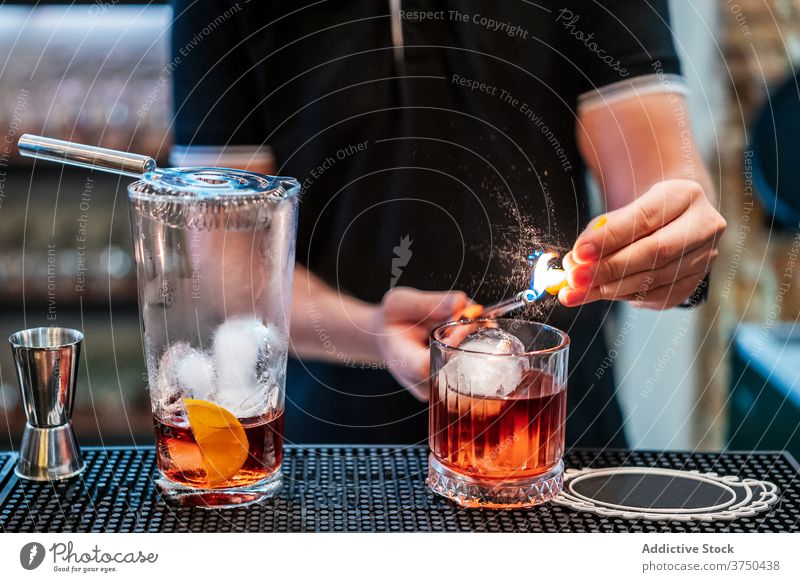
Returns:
point(435, 142)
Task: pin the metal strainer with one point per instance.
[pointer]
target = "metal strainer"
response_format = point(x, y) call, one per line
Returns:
point(194, 198)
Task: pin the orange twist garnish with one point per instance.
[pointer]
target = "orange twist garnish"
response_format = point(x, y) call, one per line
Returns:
point(472, 312)
point(221, 438)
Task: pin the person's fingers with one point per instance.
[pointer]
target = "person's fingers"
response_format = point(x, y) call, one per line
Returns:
point(625, 283)
point(568, 262)
point(413, 305)
point(472, 311)
point(568, 296)
point(654, 209)
point(420, 391)
point(459, 301)
point(409, 315)
point(682, 237)
point(457, 333)
point(629, 289)
point(667, 296)
point(642, 286)
point(411, 363)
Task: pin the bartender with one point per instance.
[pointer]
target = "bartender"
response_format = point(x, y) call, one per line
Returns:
point(438, 143)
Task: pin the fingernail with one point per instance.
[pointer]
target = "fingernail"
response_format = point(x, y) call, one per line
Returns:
point(586, 252)
point(601, 222)
point(565, 296)
point(573, 297)
point(580, 277)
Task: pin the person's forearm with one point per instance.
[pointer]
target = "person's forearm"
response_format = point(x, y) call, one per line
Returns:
point(326, 325)
point(659, 238)
point(632, 145)
point(330, 325)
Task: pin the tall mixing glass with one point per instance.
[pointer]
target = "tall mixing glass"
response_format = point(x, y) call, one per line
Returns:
point(214, 257)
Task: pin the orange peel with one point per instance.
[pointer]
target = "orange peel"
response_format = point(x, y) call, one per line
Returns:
point(472, 311)
point(221, 438)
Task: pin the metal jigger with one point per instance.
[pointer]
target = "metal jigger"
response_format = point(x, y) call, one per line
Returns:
point(47, 368)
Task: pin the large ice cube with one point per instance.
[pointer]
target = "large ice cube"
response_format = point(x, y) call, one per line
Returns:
point(492, 340)
point(491, 371)
point(243, 360)
point(196, 374)
point(183, 372)
point(240, 374)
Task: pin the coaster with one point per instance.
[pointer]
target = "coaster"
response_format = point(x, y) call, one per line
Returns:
point(664, 494)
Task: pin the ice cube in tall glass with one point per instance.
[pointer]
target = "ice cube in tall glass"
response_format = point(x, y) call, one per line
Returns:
point(215, 257)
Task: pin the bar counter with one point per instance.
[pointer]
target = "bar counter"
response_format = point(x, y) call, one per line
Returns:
point(359, 488)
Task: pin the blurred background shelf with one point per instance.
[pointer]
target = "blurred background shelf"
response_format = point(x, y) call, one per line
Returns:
point(95, 73)
point(91, 73)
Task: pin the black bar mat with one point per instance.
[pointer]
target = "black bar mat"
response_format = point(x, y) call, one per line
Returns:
point(329, 488)
point(6, 469)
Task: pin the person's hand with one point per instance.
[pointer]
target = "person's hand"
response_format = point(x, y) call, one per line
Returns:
point(401, 328)
point(653, 251)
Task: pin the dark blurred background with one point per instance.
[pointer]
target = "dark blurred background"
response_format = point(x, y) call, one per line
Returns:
point(94, 73)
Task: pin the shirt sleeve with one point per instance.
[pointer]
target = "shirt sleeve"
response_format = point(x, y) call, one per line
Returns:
point(619, 45)
point(215, 96)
